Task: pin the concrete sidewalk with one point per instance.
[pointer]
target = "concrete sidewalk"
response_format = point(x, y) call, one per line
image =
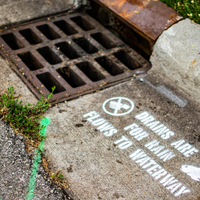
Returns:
point(107, 150)
point(12, 11)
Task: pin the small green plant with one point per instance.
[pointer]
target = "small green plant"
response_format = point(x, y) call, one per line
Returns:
point(187, 8)
point(54, 176)
point(23, 118)
point(60, 176)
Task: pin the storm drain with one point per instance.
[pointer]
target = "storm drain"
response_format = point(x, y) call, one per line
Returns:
point(72, 52)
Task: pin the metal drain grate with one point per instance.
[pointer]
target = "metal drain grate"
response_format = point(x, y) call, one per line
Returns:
point(74, 53)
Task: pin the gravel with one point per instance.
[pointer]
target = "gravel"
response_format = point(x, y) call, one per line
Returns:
point(15, 170)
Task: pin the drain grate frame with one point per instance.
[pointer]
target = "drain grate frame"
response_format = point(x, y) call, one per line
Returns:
point(73, 52)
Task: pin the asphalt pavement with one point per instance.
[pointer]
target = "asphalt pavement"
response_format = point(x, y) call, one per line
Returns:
point(15, 170)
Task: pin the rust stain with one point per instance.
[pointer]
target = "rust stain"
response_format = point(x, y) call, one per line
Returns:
point(118, 3)
point(149, 18)
point(137, 2)
point(124, 13)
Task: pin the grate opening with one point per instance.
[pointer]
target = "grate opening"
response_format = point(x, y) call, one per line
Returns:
point(109, 66)
point(12, 41)
point(85, 45)
point(65, 27)
point(90, 71)
point(30, 61)
point(127, 60)
point(30, 36)
point(49, 81)
point(48, 32)
point(84, 24)
point(49, 55)
point(68, 50)
point(71, 77)
point(103, 40)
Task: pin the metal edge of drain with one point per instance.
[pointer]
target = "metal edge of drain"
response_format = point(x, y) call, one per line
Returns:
point(33, 90)
point(91, 91)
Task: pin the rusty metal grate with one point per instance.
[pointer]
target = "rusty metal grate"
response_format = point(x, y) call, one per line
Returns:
point(72, 52)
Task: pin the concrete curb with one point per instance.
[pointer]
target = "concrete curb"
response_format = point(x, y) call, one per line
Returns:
point(176, 55)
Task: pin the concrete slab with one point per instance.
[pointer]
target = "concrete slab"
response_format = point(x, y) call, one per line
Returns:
point(12, 11)
point(137, 140)
point(176, 55)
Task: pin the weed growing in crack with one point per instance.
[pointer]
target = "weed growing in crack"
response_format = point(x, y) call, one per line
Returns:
point(54, 176)
point(58, 179)
point(23, 118)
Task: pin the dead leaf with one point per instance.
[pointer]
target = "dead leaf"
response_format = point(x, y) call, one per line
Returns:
point(48, 2)
point(193, 62)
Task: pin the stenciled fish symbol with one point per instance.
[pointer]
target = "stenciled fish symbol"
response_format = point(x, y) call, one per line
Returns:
point(192, 171)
